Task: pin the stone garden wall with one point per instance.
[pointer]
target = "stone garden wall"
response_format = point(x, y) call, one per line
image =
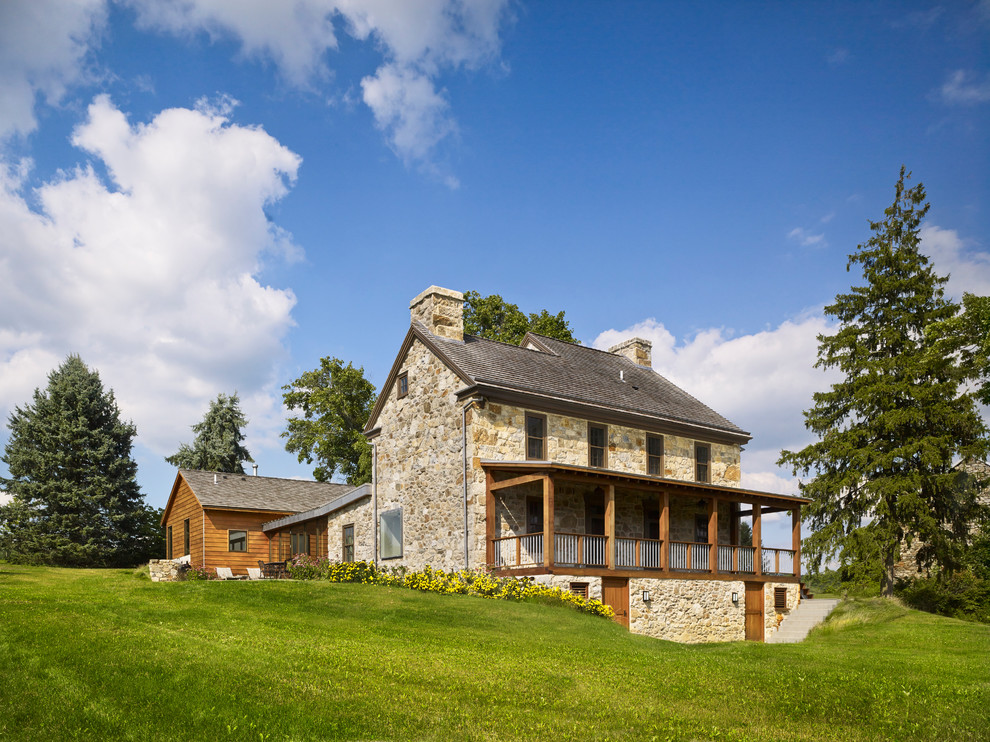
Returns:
point(164, 570)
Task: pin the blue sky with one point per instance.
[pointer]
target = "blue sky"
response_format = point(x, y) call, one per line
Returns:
point(204, 197)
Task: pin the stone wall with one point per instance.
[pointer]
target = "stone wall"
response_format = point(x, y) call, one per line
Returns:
point(498, 432)
point(688, 611)
point(770, 615)
point(164, 570)
point(360, 514)
point(564, 583)
point(419, 464)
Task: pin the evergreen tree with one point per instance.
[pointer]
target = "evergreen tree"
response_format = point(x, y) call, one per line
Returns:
point(891, 429)
point(494, 318)
point(218, 444)
point(336, 402)
point(76, 501)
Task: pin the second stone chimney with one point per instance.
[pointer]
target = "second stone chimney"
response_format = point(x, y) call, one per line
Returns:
point(637, 350)
point(441, 310)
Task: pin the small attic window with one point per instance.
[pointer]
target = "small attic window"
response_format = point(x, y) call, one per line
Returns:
point(402, 385)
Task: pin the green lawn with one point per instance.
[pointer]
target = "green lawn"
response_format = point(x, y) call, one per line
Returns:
point(101, 654)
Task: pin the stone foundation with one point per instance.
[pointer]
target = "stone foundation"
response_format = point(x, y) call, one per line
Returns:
point(165, 570)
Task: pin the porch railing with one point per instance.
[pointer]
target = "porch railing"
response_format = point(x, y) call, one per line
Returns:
point(778, 561)
point(519, 551)
point(689, 557)
point(637, 552)
point(736, 558)
point(579, 549)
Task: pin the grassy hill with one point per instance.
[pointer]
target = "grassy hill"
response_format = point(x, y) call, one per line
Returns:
point(101, 654)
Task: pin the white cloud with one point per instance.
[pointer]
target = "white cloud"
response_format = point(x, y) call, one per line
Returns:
point(968, 268)
point(43, 45)
point(966, 88)
point(418, 42)
point(150, 277)
point(837, 57)
point(806, 238)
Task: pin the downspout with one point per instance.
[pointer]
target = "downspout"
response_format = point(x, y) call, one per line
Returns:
point(374, 501)
point(481, 403)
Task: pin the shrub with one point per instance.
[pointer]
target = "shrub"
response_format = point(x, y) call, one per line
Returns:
point(960, 595)
point(196, 573)
point(464, 582)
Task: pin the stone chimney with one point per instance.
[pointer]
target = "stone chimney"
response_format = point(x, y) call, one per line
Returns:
point(637, 350)
point(441, 310)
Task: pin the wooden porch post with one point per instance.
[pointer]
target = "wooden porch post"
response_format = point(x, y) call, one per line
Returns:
point(757, 538)
point(796, 538)
point(548, 531)
point(713, 535)
point(664, 530)
point(490, 520)
point(610, 526)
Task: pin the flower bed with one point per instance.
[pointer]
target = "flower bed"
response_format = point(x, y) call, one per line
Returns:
point(463, 582)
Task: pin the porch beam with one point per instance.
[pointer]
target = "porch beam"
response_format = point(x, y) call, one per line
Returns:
point(664, 530)
point(796, 539)
point(489, 519)
point(548, 530)
point(515, 481)
point(713, 535)
point(609, 526)
point(757, 538)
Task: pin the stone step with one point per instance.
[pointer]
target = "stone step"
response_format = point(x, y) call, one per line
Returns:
point(808, 614)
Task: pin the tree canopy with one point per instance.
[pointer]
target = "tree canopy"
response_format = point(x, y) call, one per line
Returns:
point(218, 445)
point(76, 501)
point(335, 401)
point(891, 429)
point(494, 318)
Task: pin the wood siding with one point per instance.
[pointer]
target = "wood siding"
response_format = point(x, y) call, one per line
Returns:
point(219, 522)
point(185, 505)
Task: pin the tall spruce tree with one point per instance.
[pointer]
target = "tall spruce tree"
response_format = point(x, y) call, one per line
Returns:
point(218, 445)
point(76, 501)
point(892, 428)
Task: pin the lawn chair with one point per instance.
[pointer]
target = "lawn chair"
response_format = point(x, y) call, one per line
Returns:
point(224, 573)
point(254, 573)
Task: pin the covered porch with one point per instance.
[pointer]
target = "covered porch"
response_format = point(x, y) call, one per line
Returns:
point(547, 518)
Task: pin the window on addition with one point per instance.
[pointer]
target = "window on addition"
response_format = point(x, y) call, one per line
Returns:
point(403, 385)
point(702, 461)
point(597, 445)
point(348, 541)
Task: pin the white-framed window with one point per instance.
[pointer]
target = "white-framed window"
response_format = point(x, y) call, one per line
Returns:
point(390, 534)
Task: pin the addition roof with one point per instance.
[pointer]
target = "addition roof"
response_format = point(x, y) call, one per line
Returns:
point(561, 372)
point(244, 492)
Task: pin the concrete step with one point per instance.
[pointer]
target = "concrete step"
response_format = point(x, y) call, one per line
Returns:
point(797, 624)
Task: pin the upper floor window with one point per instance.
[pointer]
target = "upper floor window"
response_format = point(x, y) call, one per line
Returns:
point(654, 455)
point(536, 437)
point(597, 445)
point(402, 385)
point(702, 461)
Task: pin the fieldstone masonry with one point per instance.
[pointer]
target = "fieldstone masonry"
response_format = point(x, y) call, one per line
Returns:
point(165, 570)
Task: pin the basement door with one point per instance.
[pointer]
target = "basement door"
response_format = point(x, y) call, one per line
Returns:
point(615, 594)
point(754, 611)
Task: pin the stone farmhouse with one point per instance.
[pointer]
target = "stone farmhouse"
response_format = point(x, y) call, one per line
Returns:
point(577, 467)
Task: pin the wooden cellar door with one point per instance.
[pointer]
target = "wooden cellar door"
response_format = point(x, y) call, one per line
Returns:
point(754, 611)
point(615, 593)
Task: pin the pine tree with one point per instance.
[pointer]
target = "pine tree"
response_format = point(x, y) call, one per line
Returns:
point(218, 445)
point(892, 428)
point(76, 501)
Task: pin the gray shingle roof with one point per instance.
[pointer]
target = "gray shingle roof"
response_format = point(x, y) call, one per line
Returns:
point(260, 493)
point(579, 374)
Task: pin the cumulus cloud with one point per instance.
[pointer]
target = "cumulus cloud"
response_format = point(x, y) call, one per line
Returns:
point(966, 88)
point(150, 273)
point(418, 41)
point(968, 267)
point(43, 46)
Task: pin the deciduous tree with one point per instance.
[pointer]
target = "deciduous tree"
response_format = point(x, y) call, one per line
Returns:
point(494, 318)
point(218, 445)
point(76, 501)
point(892, 428)
point(335, 401)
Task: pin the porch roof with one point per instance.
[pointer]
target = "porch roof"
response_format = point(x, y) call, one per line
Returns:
point(358, 493)
point(588, 474)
